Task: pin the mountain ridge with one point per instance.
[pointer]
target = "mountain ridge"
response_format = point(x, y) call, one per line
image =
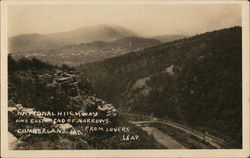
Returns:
point(169, 37)
point(76, 36)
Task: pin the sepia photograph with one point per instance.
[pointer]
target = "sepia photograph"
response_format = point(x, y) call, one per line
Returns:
point(121, 76)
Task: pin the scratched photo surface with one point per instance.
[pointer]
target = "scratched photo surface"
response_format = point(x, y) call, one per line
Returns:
point(124, 76)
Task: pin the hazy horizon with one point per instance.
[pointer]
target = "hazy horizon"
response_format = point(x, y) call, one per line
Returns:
point(144, 19)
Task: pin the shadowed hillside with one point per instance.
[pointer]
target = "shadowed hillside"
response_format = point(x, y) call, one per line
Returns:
point(196, 81)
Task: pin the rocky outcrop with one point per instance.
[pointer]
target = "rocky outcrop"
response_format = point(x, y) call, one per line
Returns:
point(25, 141)
point(42, 90)
point(52, 91)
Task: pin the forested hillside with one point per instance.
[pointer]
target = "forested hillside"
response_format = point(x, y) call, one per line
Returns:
point(196, 81)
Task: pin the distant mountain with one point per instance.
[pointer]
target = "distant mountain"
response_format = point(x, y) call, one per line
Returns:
point(88, 34)
point(89, 52)
point(196, 81)
point(134, 42)
point(31, 42)
point(168, 38)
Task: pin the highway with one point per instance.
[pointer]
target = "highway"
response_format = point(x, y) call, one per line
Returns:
point(213, 141)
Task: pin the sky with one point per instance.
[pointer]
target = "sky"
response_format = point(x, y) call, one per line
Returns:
point(144, 19)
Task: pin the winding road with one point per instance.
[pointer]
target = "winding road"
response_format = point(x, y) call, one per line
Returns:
point(167, 141)
point(163, 138)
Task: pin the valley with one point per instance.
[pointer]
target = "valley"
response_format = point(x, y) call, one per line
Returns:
point(186, 93)
point(83, 45)
point(74, 55)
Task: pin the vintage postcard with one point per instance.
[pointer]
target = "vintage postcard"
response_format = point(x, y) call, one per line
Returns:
point(124, 78)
